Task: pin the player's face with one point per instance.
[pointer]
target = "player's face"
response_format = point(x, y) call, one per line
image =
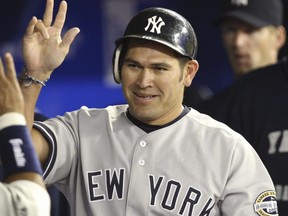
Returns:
point(248, 47)
point(153, 82)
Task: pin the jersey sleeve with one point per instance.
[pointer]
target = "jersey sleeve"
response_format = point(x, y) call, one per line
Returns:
point(249, 188)
point(61, 134)
point(244, 184)
point(23, 197)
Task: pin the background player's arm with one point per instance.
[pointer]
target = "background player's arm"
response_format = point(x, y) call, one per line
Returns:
point(24, 189)
point(12, 101)
point(43, 51)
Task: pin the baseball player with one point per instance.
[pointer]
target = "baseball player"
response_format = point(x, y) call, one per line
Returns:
point(256, 106)
point(23, 191)
point(152, 156)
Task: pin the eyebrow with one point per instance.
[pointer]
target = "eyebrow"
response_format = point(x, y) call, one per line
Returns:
point(159, 64)
point(129, 60)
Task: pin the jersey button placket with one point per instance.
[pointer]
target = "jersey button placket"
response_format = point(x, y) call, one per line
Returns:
point(143, 144)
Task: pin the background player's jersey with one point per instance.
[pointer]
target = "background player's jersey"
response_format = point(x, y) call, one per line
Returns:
point(23, 198)
point(106, 165)
point(257, 107)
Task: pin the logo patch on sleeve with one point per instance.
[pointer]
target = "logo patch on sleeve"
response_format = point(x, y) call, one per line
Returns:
point(266, 204)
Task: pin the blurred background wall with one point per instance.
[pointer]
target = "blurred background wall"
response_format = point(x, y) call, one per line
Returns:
point(85, 77)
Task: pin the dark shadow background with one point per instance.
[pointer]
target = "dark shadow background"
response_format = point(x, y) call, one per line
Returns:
point(85, 77)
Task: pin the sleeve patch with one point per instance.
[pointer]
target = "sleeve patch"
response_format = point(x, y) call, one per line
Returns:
point(266, 204)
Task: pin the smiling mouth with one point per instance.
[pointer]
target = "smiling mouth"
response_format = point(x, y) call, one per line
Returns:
point(146, 97)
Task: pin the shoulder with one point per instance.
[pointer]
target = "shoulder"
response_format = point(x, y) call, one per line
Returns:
point(217, 136)
point(261, 82)
point(209, 125)
point(266, 75)
point(85, 112)
point(86, 117)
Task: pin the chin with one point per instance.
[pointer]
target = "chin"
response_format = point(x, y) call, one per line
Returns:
point(143, 115)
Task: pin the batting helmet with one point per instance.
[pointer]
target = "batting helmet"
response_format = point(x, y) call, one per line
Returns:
point(160, 25)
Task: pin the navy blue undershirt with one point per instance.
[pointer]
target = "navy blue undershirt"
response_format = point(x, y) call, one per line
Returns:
point(150, 128)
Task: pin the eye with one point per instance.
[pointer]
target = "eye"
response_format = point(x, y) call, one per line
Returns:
point(132, 66)
point(159, 69)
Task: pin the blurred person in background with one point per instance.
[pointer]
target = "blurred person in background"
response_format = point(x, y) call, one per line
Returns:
point(252, 33)
point(256, 104)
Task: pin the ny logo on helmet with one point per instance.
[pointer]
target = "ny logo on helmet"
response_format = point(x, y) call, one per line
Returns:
point(156, 24)
point(239, 2)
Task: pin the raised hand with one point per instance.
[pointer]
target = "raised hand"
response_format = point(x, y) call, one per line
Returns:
point(11, 98)
point(43, 48)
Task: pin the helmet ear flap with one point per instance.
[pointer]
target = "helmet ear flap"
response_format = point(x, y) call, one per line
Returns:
point(116, 69)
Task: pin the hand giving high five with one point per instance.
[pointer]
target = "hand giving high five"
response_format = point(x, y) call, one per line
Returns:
point(43, 48)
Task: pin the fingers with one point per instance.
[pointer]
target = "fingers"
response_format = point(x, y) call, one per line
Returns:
point(40, 27)
point(11, 71)
point(36, 26)
point(61, 16)
point(31, 26)
point(48, 14)
point(11, 97)
point(2, 74)
point(10, 67)
point(8, 72)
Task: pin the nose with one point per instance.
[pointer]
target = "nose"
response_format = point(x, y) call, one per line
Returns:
point(239, 39)
point(145, 78)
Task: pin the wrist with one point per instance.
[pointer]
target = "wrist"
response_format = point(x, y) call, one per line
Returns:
point(29, 78)
point(38, 74)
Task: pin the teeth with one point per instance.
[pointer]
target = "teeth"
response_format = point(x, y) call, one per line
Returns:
point(144, 96)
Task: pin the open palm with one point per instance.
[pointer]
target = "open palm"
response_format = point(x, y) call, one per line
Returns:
point(43, 48)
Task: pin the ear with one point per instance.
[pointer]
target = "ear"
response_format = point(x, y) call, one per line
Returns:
point(191, 69)
point(281, 36)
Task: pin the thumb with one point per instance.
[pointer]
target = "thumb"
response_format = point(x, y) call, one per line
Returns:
point(69, 37)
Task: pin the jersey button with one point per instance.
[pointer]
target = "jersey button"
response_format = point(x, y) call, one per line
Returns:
point(141, 162)
point(143, 144)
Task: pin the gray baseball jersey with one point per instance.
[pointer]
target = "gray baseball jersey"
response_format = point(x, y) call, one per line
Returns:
point(107, 165)
point(23, 198)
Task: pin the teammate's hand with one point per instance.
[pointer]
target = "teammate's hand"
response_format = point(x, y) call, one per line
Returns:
point(43, 48)
point(11, 98)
